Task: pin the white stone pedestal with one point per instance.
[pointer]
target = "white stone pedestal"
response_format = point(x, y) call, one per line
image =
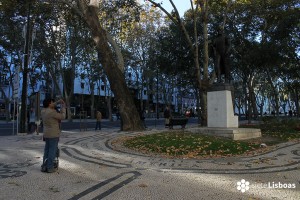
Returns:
point(232, 133)
point(220, 110)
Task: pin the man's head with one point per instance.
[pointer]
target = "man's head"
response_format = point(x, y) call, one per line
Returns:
point(220, 30)
point(48, 103)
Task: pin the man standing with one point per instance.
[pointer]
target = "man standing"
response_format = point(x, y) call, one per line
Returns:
point(32, 122)
point(167, 116)
point(51, 120)
point(142, 116)
point(98, 120)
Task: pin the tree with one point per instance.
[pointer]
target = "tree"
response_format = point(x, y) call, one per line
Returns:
point(263, 40)
point(142, 35)
point(106, 54)
point(10, 10)
point(192, 42)
point(11, 45)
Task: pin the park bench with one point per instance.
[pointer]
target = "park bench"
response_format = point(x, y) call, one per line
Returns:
point(182, 121)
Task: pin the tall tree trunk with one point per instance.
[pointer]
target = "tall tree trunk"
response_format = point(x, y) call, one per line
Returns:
point(297, 103)
point(253, 101)
point(92, 100)
point(68, 99)
point(129, 114)
point(7, 104)
point(69, 93)
point(204, 86)
point(249, 109)
point(23, 114)
point(108, 107)
point(249, 104)
point(203, 103)
point(275, 94)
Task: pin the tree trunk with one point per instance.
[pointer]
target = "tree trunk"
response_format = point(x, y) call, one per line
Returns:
point(7, 104)
point(68, 99)
point(92, 100)
point(69, 113)
point(249, 107)
point(203, 103)
point(129, 115)
point(108, 107)
point(297, 103)
point(275, 95)
point(69, 93)
point(205, 65)
point(253, 101)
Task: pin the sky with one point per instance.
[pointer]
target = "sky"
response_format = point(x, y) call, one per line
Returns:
point(181, 5)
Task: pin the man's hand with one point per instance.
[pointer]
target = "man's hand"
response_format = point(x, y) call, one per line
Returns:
point(62, 103)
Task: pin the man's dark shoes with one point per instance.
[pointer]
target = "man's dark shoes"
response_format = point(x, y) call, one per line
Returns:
point(43, 168)
point(51, 170)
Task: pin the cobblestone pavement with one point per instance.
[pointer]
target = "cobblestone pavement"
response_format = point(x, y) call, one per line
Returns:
point(92, 167)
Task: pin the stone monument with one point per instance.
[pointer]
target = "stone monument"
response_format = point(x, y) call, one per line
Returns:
point(220, 109)
point(220, 112)
point(221, 120)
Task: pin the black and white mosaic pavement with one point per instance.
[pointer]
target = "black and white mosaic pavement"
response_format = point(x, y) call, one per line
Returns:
point(91, 167)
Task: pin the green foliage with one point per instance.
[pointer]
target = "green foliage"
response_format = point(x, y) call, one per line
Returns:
point(193, 145)
point(188, 144)
point(285, 129)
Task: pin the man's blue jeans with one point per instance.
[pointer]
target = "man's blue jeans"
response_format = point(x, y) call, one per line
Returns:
point(98, 125)
point(50, 151)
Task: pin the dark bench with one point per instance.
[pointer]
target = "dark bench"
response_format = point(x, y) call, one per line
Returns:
point(182, 121)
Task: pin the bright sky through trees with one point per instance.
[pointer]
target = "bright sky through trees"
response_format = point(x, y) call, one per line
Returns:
point(181, 5)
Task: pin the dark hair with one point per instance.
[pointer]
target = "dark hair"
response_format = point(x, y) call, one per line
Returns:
point(47, 102)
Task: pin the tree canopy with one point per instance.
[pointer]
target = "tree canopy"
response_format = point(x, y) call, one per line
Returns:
point(76, 39)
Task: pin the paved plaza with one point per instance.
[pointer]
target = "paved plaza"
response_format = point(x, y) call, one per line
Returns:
point(93, 166)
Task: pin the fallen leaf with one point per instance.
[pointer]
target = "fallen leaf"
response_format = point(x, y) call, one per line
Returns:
point(143, 185)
